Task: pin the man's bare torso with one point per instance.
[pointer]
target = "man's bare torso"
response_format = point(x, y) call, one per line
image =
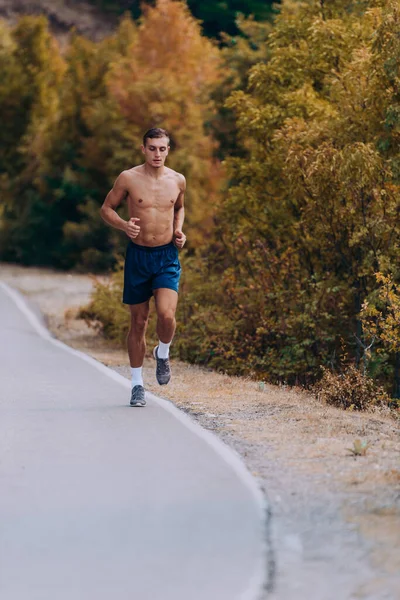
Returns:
point(152, 200)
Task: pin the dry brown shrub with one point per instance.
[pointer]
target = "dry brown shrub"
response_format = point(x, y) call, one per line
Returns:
point(350, 390)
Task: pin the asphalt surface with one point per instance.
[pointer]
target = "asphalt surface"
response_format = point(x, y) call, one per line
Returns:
point(102, 501)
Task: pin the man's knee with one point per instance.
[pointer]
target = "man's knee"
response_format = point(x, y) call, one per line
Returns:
point(138, 324)
point(167, 316)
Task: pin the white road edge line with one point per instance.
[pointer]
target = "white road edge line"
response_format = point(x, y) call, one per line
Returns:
point(230, 456)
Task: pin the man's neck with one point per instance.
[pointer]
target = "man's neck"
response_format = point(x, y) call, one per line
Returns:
point(155, 172)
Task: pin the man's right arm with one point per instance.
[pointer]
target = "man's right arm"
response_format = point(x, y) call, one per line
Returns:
point(113, 200)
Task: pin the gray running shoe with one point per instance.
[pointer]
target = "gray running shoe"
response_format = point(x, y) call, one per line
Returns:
point(163, 369)
point(137, 396)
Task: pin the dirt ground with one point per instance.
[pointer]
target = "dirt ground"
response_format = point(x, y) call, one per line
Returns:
point(333, 527)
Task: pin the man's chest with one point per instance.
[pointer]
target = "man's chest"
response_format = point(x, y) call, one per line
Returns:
point(159, 195)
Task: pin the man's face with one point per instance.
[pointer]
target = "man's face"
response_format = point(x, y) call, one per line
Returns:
point(156, 151)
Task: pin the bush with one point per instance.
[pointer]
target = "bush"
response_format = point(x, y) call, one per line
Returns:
point(106, 311)
point(350, 390)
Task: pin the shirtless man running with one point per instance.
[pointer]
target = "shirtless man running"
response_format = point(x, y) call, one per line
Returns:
point(155, 197)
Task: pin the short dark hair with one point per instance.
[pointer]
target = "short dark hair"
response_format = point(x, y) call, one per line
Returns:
point(155, 132)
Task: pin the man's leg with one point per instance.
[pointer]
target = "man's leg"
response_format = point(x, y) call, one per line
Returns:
point(137, 348)
point(166, 302)
point(136, 336)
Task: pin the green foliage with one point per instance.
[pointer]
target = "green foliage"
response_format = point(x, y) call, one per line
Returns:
point(284, 250)
point(81, 122)
point(312, 210)
point(28, 219)
point(239, 54)
point(380, 317)
point(106, 311)
point(381, 314)
point(221, 17)
point(312, 207)
point(147, 89)
point(14, 104)
point(216, 17)
point(119, 6)
point(31, 71)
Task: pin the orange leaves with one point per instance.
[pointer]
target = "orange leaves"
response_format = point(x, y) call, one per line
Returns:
point(169, 70)
point(165, 78)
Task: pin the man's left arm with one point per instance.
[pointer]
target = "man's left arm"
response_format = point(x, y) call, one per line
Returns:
point(179, 215)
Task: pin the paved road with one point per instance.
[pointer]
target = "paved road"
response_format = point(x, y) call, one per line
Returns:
point(102, 501)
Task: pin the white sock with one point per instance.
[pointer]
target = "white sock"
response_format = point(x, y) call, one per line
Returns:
point(163, 349)
point(137, 377)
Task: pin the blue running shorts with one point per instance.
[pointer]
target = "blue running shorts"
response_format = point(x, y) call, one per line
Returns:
point(149, 268)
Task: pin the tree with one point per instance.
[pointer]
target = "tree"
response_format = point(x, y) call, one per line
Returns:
point(75, 181)
point(149, 87)
point(81, 132)
point(61, 184)
point(216, 17)
point(239, 54)
point(221, 17)
point(13, 104)
point(312, 210)
point(39, 68)
point(381, 320)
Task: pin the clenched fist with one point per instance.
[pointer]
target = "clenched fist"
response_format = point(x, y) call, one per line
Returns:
point(132, 230)
point(179, 238)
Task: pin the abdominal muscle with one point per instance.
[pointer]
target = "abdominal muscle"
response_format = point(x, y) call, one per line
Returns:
point(156, 225)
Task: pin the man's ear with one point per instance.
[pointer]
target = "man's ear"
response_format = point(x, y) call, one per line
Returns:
point(142, 147)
